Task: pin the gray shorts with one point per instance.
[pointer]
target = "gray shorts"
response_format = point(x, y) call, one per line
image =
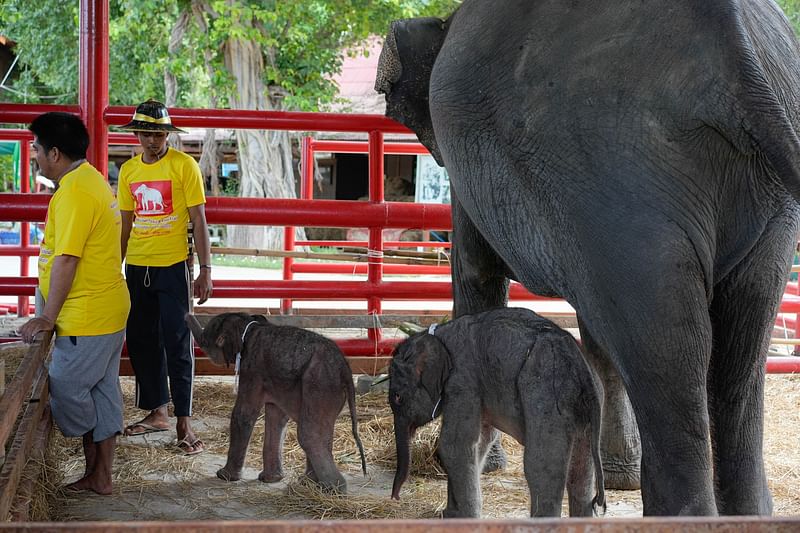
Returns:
point(84, 385)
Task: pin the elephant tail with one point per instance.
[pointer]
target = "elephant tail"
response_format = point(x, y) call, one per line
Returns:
point(599, 501)
point(595, 419)
point(351, 403)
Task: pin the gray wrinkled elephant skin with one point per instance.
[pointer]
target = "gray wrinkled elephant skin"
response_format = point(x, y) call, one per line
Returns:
point(641, 160)
point(288, 373)
point(512, 370)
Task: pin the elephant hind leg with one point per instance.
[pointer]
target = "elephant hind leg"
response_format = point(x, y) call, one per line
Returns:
point(743, 311)
point(545, 460)
point(323, 399)
point(580, 476)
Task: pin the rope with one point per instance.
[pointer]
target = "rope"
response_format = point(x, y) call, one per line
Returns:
point(376, 324)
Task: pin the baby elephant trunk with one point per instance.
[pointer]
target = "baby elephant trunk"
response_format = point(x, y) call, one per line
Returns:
point(402, 436)
point(194, 326)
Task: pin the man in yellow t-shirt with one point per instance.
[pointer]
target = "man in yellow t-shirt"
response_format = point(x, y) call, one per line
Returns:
point(86, 300)
point(160, 191)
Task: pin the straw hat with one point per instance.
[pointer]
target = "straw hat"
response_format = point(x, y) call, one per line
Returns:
point(151, 116)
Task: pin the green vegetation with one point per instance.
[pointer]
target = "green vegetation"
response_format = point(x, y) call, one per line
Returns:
point(300, 45)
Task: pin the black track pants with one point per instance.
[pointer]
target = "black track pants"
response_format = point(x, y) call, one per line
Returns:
point(159, 342)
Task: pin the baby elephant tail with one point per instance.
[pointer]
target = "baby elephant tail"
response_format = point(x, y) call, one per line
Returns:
point(351, 402)
point(599, 501)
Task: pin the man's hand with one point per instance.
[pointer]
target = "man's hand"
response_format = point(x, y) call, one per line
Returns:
point(34, 326)
point(203, 285)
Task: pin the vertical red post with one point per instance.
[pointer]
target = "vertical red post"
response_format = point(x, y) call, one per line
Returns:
point(93, 80)
point(25, 229)
point(288, 263)
point(375, 248)
point(307, 169)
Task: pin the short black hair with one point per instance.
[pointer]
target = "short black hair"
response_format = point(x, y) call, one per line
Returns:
point(64, 131)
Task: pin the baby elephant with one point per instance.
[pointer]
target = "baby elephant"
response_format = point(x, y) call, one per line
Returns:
point(293, 373)
point(515, 371)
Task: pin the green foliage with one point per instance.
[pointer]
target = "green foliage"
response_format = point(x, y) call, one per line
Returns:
point(792, 10)
point(301, 41)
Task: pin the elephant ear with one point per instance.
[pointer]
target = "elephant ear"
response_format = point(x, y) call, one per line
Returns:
point(404, 73)
point(433, 365)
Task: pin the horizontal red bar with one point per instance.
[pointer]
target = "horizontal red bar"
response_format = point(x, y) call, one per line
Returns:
point(25, 113)
point(783, 365)
point(275, 212)
point(266, 120)
point(12, 249)
point(355, 147)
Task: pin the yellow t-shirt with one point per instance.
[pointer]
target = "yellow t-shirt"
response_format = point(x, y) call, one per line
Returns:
point(83, 221)
point(160, 195)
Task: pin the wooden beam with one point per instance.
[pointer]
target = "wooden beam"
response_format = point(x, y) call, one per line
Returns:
point(204, 367)
point(353, 258)
point(14, 464)
point(737, 524)
point(11, 402)
point(363, 321)
point(21, 508)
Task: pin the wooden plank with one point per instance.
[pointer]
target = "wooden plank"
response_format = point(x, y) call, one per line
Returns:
point(354, 258)
point(21, 508)
point(17, 457)
point(340, 321)
point(729, 524)
point(274, 311)
point(204, 367)
point(369, 365)
point(364, 321)
point(20, 386)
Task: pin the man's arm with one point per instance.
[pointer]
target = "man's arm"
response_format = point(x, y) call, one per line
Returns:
point(61, 278)
point(202, 285)
point(127, 224)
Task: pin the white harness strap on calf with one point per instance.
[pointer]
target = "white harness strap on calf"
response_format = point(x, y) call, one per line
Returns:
point(239, 358)
point(432, 331)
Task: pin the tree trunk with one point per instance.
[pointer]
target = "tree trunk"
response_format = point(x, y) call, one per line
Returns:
point(265, 158)
point(170, 81)
point(210, 154)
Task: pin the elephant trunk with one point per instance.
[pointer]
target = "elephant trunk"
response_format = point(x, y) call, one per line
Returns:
point(402, 436)
point(194, 326)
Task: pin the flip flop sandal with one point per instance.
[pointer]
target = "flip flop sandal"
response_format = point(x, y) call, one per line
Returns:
point(191, 448)
point(146, 428)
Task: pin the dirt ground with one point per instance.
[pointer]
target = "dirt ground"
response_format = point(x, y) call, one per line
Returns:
point(154, 482)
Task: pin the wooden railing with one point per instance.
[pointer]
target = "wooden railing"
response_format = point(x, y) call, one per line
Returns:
point(27, 393)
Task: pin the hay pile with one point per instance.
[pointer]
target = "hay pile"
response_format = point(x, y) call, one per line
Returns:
point(141, 468)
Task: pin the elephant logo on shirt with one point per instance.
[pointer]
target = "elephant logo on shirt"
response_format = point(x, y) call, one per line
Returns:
point(153, 198)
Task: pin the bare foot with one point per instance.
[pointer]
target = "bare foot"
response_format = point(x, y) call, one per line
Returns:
point(102, 487)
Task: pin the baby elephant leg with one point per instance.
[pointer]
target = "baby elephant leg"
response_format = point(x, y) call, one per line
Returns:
point(458, 449)
point(275, 421)
point(545, 461)
point(323, 399)
point(580, 477)
point(249, 403)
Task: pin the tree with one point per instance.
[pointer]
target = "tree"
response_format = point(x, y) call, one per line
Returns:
point(248, 54)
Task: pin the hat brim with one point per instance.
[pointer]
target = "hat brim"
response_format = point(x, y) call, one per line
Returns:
point(137, 125)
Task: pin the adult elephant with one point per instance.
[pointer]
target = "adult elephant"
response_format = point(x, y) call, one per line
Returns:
point(639, 159)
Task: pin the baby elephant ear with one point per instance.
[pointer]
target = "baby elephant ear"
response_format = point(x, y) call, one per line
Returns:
point(220, 342)
point(433, 366)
